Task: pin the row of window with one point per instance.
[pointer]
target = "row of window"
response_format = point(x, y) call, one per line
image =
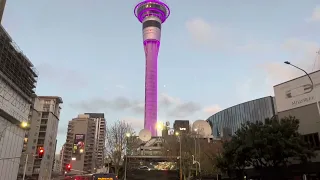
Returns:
point(312, 140)
point(233, 117)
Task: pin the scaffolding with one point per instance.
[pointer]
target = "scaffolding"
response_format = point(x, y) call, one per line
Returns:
point(16, 67)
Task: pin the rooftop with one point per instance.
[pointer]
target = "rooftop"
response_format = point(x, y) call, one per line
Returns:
point(59, 99)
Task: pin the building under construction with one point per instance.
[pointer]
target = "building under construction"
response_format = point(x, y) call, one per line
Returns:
point(17, 84)
point(15, 68)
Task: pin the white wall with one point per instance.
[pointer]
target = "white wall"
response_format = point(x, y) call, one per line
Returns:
point(11, 144)
point(297, 93)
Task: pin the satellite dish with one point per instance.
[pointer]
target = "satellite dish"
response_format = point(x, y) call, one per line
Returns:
point(145, 135)
point(202, 127)
point(171, 132)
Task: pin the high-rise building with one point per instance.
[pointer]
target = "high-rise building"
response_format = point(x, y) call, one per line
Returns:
point(2, 7)
point(42, 134)
point(84, 147)
point(100, 134)
point(61, 158)
point(17, 83)
point(151, 13)
point(57, 164)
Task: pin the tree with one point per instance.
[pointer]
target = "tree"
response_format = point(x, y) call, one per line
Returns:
point(208, 152)
point(265, 146)
point(116, 141)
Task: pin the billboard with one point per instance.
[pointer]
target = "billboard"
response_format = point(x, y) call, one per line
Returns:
point(297, 92)
point(78, 146)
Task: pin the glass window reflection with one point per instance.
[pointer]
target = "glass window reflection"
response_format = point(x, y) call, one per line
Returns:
point(232, 118)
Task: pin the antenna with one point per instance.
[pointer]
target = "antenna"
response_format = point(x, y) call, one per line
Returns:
point(202, 127)
point(145, 135)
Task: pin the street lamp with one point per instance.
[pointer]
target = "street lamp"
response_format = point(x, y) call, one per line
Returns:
point(128, 135)
point(312, 84)
point(24, 124)
point(196, 130)
point(179, 137)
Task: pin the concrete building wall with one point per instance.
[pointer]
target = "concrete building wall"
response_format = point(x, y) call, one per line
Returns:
point(80, 127)
point(11, 135)
point(309, 120)
point(11, 144)
point(299, 97)
point(93, 127)
point(43, 133)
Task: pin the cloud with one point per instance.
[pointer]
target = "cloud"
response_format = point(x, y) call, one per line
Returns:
point(118, 104)
point(254, 47)
point(212, 109)
point(315, 16)
point(206, 34)
point(170, 106)
point(136, 123)
point(175, 107)
point(62, 76)
point(120, 86)
point(217, 36)
point(300, 53)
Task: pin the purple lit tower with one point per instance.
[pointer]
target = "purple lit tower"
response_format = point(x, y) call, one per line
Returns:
point(151, 13)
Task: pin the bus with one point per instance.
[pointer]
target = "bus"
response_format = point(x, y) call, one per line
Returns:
point(97, 176)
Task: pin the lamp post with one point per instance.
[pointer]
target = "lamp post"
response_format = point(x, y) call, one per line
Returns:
point(128, 135)
point(312, 84)
point(25, 164)
point(195, 148)
point(194, 162)
point(24, 125)
point(180, 158)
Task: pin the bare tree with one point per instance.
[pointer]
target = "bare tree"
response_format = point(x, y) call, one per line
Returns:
point(206, 152)
point(171, 148)
point(116, 141)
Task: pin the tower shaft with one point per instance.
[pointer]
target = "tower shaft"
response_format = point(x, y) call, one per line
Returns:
point(151, 49)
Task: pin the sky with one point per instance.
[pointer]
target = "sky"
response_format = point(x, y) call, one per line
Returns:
point(213, 54)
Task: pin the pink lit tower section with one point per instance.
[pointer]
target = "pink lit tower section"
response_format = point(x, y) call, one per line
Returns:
point(151, 13)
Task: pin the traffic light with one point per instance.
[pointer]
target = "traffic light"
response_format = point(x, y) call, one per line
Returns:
point(40, 152)
point(68, 168)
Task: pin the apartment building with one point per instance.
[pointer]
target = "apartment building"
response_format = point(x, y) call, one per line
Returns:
point(57, 164)
point(84, 147)
point(45, 114)
point(61, 157)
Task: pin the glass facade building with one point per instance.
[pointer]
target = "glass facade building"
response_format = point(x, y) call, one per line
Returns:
point(230, 119)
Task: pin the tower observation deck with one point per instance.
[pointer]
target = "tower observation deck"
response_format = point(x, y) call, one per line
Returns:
point(151, 13)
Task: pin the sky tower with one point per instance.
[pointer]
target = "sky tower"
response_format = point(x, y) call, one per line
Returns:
point(151, 13)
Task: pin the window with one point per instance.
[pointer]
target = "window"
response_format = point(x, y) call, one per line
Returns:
point(312, 140)
point(47, 101)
